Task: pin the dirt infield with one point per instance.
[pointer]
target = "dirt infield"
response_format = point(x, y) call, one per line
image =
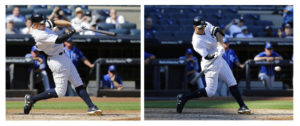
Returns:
point(75, 114)
point(216, 114)
point(15, 114)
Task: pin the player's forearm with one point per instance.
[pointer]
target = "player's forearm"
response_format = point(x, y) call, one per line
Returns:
point(117, 85)
point(260, 58)
point(219, 38)
point(278, 58)
point(88, 63)
point(62, 23)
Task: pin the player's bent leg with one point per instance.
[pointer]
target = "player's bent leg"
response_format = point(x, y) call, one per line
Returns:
point(93, 109)
point(237, 96)
point(30, 100)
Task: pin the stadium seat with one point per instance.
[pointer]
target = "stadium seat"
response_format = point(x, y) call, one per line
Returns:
point(127, 25)
point(263, 23)
point(251, 17)
point(163, 35)
point(184, 36)
point(135, 32)
point(24, 11)
point(19, 25)
point(106, 26)
point(171, 27)
point(37, 6)
point(42, 11)
point(120, 31)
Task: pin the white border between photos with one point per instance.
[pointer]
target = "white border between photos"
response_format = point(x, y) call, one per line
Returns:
point(3, 121)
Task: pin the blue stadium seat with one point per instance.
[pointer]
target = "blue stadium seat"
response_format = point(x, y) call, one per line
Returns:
point(184, 36)
point(170, 27)
point(106, 26)
point(187, 27)
point(38, 6)
point(120, 31)
point(135, 32)
point(24, 11)
point(263, 23)
point(127, 25)
point(251, 16)
point(163, 35)
point(42, 11)
point(166, 21)
point(177, 16)
point(19, 25)
point(60, 6)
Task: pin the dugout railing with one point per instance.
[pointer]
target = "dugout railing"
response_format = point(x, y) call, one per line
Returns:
point(165, 77)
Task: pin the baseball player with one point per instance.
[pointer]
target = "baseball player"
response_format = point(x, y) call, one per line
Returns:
point(61, 66)
point(111, 79)
point(207, 41)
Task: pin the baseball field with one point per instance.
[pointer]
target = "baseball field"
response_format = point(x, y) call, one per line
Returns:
point(73, 108)
point(217, 108)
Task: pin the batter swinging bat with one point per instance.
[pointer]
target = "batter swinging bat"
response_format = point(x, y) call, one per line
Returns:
point(102, 32)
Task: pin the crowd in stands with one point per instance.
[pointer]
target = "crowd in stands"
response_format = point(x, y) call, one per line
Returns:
point(18, 19)
point(162, 22)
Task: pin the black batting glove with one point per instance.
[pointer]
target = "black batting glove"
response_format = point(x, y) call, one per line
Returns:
point(209, 57)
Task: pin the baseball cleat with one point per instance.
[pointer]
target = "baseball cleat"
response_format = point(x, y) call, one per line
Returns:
point(180, 103)
point(94, 111)
point(244, 110)
point(28, 104)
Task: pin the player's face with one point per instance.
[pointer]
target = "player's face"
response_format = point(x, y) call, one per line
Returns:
point(199, 31)
point(268, 51)
point(34, 54)
point(41, 26)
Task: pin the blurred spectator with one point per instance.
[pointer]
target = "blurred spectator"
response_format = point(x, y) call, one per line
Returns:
point(235, 26)
point(148, 57)
point(114, 18)
point(288, 12)
point(194, 78)
point(10, 29)
point(15, 16)
point(76, 56)
point(111, 80)
point(288, 32)
point(93, 27)
point(78, 19)
point(244, 33)
point(88, 19)
point(149, 29)
point(39, 67)
point(268, 31)
point(266, 74)
point(231, 58)
point(28, 24)
point(58, 14)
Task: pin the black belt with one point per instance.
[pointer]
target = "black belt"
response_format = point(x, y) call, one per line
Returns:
point(58, 54)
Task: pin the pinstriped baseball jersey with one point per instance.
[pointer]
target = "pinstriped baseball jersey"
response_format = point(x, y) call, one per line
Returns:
point(207, 44)
point(45, 40)
point(61, 66)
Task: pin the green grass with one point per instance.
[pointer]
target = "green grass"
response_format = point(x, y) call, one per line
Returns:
point(254, 104)
point(77, 105)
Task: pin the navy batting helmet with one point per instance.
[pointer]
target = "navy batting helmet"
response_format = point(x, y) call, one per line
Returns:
point(199, 22)
point(38, 18)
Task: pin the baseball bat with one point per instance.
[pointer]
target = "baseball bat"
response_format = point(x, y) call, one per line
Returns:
point(103, 32)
